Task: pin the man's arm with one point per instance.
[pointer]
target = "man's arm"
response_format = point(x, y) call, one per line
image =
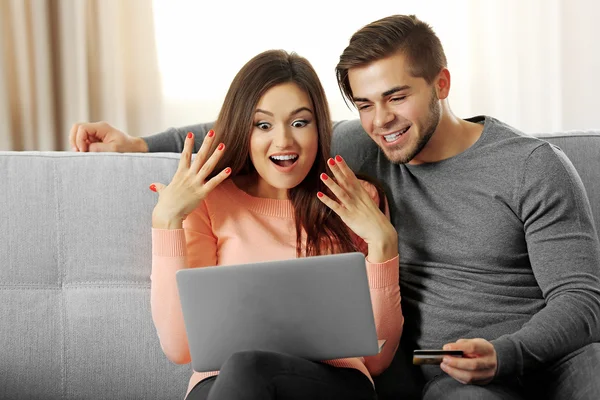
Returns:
point(101, 136)
point(564, 252)
point(172, 140)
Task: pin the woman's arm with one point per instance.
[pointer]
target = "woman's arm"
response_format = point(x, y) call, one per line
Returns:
point(172, 250)
point(384, 284)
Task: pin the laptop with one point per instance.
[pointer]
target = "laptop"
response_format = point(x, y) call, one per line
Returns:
point(318, 308)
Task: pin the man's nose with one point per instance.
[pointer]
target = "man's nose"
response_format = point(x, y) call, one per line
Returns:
point(383, 116)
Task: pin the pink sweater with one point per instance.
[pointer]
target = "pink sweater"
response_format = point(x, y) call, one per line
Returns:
point(232, 227)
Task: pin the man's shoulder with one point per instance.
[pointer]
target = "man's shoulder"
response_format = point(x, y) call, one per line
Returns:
point(506, 140)
point(352, 142)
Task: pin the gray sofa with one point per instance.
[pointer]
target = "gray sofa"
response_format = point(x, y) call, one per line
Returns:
point(75, 260)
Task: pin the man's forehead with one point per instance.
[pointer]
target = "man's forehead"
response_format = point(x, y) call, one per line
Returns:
point(380, 76)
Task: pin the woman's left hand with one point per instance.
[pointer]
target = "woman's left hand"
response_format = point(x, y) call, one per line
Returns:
point(356, 208)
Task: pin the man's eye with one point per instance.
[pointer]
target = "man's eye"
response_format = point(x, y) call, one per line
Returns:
point(300, 123)
point(263, 125)
point(398, 98)
point(364, 107)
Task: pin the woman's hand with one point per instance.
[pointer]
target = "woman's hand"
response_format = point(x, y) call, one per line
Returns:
point(357, 209)
point(188, 186)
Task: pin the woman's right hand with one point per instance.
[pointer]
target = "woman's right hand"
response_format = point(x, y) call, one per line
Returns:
point(188, 186)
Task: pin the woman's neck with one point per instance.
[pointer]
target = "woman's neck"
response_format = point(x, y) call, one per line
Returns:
point(256, 187)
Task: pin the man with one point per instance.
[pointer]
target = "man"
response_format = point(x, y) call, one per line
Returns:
point(499, 254)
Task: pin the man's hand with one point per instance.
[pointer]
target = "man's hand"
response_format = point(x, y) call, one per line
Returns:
point(100, 136)
point(478, 364)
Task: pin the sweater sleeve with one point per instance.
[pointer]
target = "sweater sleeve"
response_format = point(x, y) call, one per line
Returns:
point(384, 284)
point(564, 253)
point(172, 140)
point(172, 250)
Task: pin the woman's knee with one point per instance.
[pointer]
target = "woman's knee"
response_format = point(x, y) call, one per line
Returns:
point(250, 364)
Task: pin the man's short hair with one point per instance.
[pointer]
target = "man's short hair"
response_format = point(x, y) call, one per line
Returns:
point(404, 34)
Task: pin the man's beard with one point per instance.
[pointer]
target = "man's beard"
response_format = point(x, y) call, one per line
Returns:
point(430, 126)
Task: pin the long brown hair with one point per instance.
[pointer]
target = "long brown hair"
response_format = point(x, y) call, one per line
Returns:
point(387, 36)
point(325, 232)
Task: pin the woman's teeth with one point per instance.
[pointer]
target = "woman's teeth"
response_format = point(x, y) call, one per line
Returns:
point(284, 161)
point(394, 136)
point(288, 157)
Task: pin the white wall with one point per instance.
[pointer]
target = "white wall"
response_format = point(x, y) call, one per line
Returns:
point(527, 62)
point(580, 65)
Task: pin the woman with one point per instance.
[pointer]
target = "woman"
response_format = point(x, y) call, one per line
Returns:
point(272, 140)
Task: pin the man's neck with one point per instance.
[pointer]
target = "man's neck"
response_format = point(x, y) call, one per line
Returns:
point(451, 137)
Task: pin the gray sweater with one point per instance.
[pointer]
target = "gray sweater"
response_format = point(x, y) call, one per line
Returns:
point(497, 242)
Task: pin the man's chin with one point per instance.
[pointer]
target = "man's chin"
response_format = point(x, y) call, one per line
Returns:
point(397, 156)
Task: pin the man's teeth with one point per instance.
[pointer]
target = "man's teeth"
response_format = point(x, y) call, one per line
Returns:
point(283, 158)
point(394, 136)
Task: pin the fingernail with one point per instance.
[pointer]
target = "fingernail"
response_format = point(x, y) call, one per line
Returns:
point(331, 162)
point(153, 187)
point(338, 158)
point(221, 146)
point(74, 148)
point(227, 170)
point(324, 177)
point(319, 194)
point(190, 135)
point(211, 133)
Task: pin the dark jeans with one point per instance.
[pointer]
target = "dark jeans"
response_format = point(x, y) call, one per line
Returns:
point(574, 376)
point(266, 375)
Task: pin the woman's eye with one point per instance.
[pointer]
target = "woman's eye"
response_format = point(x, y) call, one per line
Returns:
point(263, 125)
point(300, 123)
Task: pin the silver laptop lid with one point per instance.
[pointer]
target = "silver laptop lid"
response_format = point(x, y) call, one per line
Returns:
point(318, 308)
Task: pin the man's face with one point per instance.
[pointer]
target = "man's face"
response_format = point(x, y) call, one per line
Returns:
point(399, 112)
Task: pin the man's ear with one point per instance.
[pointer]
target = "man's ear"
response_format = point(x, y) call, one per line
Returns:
point(442, 84)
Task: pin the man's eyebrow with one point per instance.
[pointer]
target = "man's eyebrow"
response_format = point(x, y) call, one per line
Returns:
point(296, 111)
point(386, 93)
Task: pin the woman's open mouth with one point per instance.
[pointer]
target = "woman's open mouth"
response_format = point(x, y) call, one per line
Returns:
point(284, 163)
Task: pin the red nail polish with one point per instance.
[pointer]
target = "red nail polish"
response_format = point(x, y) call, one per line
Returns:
point(153, 187)
point(190, 135)
point(338, 158)
point(324, 177)
point(319, 194)
point(221, 146)
point(331, 162)
point(227, 170)
point(211, 133)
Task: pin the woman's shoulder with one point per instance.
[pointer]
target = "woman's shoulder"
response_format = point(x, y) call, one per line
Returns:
point(221, 198)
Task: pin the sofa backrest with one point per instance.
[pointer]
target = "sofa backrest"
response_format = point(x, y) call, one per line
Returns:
point(75, 261)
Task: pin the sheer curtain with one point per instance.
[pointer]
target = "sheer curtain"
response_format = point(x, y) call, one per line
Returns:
point(530, 63)
point(66, 61)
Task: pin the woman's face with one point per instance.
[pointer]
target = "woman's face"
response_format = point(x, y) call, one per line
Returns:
point(284, 140)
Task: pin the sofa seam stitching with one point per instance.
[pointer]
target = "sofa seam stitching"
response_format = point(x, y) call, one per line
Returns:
point(60, 273)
